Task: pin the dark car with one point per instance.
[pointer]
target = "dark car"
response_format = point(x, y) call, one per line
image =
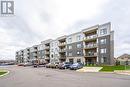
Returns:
point(35, 65)
point(20, 64)
point(65, 65)
point(76, 66)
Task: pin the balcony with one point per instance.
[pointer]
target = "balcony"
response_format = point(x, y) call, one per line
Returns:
point(62, 57)
point(34, 50)
point(46, 52)
point(90, 46)
point(90, 38)
point(62, 44)
point(47, 47)
point(47, 58)
point(34, 54)
point(62, 50)
point(91, 55)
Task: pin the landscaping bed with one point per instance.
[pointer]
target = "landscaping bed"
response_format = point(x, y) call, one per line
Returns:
point(107, 68)
point(2, 72)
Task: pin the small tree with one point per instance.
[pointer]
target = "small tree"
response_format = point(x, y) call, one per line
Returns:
point(117, 62)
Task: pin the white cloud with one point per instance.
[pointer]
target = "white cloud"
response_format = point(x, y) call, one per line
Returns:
point(37, 20)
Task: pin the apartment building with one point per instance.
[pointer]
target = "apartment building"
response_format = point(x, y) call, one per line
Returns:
point(74, 48)
point(93, 45)
point(46, 47)
point(62, 48)
point(19, 56)
point(54, 51)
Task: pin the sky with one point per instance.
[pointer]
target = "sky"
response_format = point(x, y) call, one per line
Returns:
point(37, 20)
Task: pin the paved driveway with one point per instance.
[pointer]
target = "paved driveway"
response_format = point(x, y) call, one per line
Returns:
point(42, 77)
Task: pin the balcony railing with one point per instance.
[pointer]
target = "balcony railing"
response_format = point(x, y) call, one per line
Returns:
point(62, 50)
point(47, 52)
point(62, 57)
point(90, 37)
point(34, 50)
point(62, 44)
point(47, 58)
point(47, 47)
point(90, 46)
point(35, 54)
point(91, 55)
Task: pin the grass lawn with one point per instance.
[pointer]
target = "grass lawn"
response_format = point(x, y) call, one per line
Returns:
point(112, 68)
point(2, 72)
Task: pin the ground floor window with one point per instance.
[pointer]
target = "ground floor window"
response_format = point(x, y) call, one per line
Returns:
point(103, 59)
point(71, 60)
point(78, 60)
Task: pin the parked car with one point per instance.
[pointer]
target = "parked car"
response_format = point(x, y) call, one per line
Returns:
point(20, 64)
point(27, 64)
point(65, 65)
point(35, 65)
point(55, 65)
point(76, 66)
point(48, 65)
point(60, 65)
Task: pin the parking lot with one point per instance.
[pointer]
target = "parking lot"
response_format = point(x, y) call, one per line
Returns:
point(45, 77)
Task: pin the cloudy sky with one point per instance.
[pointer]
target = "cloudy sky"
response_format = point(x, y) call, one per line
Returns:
point(37, 20)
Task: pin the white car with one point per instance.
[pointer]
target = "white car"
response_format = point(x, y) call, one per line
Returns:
point(27, 64)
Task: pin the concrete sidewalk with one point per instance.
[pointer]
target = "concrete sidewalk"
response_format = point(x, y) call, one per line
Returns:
point(124, 72)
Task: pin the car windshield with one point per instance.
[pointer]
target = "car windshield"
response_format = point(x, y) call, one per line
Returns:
point(75, 64)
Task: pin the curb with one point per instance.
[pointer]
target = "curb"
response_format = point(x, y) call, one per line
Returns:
point(123, 73)
point(5, 73)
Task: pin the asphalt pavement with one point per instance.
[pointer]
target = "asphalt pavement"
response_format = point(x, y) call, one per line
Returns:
point(43, 77)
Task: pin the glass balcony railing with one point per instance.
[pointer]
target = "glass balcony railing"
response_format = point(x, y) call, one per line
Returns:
point(91, 54)
point(90, 37)
point(62, 44)
point(91, 46)
point(47, 52)
point(47, 47)
point(62, 50)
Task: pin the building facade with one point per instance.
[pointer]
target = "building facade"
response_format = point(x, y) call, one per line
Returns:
point(93, 45)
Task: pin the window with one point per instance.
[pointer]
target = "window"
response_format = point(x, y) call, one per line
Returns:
point(70, 54)
point(70, 40)
point(103, 31)
point(56, 43)
point(78, 60)
point(52, 44)
point(69, 47)
point(103, 59)
point(78, 52)
point(71, 61)
point(51, 50)
point(103, 41)
point(56, 49)
point(78, 45)
point(78, 37)
point(103, 50)
point(52, 55)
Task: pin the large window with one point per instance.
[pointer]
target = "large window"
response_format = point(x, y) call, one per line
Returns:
point(78, 37)
point(70, 53)
point(103, 41)
point(78, 60)
point(103, 31)
point(79, 45)
point(103, 50)
point(103, 59)
point(70, 40)
point(69, 47)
